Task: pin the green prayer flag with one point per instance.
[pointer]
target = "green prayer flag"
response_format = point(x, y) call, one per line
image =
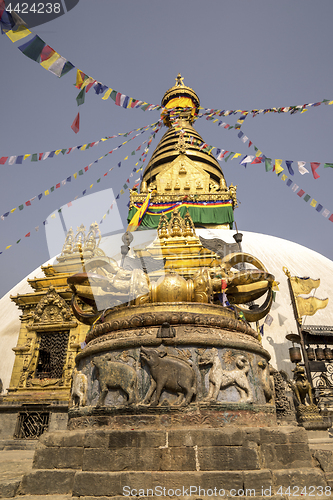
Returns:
point(21, 207)
point(63, 151)
point(98, 180)
point(133, 153)
point(80, 172)
point(268, 164)
point(328, 165)
point(125, 186)
point(80, 97)
point(18, 241)
point(33, 48)
point(144, 107)
point(52, 189)
point(113, 95)
point(59, 210)
point(227, 157)
point(306, 197)
point(34, 157)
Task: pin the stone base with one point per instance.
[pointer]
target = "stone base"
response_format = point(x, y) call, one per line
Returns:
point(213, 415)
point(181, 462)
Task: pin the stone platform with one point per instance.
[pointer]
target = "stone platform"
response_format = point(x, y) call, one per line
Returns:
point(105, 463)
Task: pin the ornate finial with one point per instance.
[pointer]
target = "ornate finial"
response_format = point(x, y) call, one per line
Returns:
point(179, 81)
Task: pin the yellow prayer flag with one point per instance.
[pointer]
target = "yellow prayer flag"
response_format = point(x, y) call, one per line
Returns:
point(86, 82)
point(53, 216)
point(48, 62)
point(58, 151)
point(18, 34)
point(91, 186)
point(8, 247)
point(284, 177)
point(214, 121)
point(83, 147)
point(130, 100)
point(259, 153)
point(12, 210)
point(122, 191)
point(303, 110)
point(126, 158)
point(313, 203)
point(75, 175)
point(46, 192)
point(278, 167)
point(103, 139)
point(236, 155)
point(79, 79)
point(104, 216)
point(106, 96)
point(26, 156)
point(331, 102)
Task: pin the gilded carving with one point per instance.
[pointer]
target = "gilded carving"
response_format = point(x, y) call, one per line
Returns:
point(52, 309)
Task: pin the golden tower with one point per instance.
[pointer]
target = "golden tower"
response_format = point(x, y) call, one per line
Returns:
point(182, 173)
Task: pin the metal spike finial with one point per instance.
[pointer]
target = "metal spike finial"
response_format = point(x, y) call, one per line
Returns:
point(179, 81)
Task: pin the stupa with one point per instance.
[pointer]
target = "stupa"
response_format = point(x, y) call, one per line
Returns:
point(172, 395)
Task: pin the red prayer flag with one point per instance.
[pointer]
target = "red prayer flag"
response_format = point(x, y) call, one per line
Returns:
point(28, 203)
point(3, 160)
point(58, 185)
point(314, 166)
point(331, 218)
point(224, 284)
point(69, 204)
point(88, 87)
point(257, 160)
point(70, 149)
point(41, 155)
point(118, 98)
point(46, 53)
point(300, 193)
point(27, 235)
point(86, 169)
point(76, 124)
point(250, 143)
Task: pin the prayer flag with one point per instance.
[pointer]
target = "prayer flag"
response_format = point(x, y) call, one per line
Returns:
point(300, 193)
point(18, 34)
point(313, 203)
point(28, 203)
point(331, 218)
point(76, 124)
point(3, 160)
point(289, 167)
point(27, 235)
point(326, 165)
point(302, 170)
point(33, 48)
point(314, 166)
point(278, 168)
point(80, 97)
point(236, 155)
point(295, 187)
point(256, 160)
point(11, 160)
point(325, 213)
point(289, 182)
point(306, 197)
point(246, 159)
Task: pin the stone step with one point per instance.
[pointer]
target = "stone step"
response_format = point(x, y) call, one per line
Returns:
point(18, 444)
point(173, 484)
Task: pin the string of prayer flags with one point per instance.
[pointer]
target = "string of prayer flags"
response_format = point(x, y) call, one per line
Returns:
point(18, 159)
point(82, 171)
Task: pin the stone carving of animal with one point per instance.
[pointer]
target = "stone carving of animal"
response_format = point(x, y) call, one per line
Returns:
point(222, 379)
point(171, 374)
point(301, 386)
point(267, 380)
point(79, 388)
point(115, 375)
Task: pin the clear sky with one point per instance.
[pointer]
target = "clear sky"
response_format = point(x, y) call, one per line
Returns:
point(235, 54)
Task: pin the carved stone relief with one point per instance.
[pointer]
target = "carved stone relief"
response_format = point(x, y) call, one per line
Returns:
point(220, 379)
point(79, 388)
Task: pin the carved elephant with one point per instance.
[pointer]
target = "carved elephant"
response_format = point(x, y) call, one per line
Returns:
point(79, 389)
point(115, 375)
point(170, 373)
